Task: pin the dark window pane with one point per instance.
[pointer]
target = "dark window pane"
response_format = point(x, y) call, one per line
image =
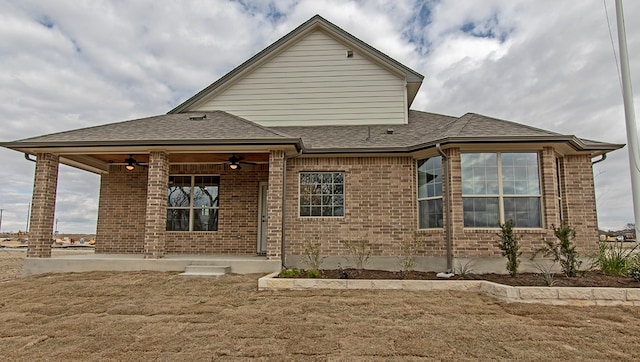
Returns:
point(178, 219)
point(327, 211)
point(524, 211)
point(316, 211)
point(430, 213)
point(205, 219)
point(338, 211)
point(305, 211)
point(480, 212)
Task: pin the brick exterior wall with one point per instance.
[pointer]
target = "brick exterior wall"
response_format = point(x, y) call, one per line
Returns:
point(380, 206)
point(579, 197)
point(237, 217)
point(156, 214)
point(122, 209)
point(43, 206)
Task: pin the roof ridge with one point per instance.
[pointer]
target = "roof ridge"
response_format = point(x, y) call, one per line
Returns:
point(472, 114)
point(252, 123)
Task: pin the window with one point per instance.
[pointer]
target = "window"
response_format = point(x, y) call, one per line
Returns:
point(192, 203)
point(430, 193)
point(322, 194)
point(501, 186)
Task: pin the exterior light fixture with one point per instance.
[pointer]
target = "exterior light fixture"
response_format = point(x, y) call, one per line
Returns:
point(234, 162)
point(131, 163)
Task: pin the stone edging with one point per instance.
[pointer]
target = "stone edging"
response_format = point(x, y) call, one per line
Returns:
point(574, 296)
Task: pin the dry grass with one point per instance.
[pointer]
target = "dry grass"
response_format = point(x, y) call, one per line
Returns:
point(161, 316)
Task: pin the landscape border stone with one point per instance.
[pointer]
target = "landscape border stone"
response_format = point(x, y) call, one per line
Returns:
point(573, 296)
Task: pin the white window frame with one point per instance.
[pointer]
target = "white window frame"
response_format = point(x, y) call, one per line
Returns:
point(191, 207)
point(501, 196)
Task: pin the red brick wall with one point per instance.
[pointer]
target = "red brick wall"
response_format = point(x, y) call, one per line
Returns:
point(123, 203)
point(380, 205)
point(121, 213)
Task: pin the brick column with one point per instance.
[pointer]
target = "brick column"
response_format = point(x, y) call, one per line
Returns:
point(43, 206)
point(549, 188)
point(457, 212)
point(274, 201)
point(156, 212)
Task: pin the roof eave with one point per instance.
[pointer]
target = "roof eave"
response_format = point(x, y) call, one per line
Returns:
point(28, 147)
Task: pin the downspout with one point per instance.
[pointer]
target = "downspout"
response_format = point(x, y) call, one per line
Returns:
point(448, 205)
point(28, 157)
point(284, 208)
point(602, 158)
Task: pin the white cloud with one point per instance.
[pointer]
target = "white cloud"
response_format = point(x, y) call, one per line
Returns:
point(71, 64)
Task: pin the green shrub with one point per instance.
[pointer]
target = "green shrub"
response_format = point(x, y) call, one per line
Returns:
point(510, 247)
point(634, 268)
point(563, 251)
point(359, 252)
point(312, 256)
point(312, 273)
point(614, 258)
point(290, 273)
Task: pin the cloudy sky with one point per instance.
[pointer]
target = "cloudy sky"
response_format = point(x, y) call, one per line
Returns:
point(71, 64)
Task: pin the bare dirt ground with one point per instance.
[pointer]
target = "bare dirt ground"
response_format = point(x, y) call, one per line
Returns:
point(161, 316)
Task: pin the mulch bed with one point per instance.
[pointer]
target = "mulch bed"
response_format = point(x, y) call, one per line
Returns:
point(587, 279)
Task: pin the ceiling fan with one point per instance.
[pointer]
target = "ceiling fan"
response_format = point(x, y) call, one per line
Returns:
point(235, 161)
point(131, 163)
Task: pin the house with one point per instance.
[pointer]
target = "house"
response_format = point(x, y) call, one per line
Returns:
point(312, 140)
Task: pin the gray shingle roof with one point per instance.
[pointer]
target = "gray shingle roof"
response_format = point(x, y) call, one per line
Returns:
point(423, 130)
point(217, 125)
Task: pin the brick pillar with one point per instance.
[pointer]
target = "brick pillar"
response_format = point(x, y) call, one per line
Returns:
point(549, 188)
point(274, 201)
point(457, 214)
point(43, 206)
point(156, 213)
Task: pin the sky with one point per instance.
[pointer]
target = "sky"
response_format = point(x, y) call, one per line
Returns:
point(68, 64)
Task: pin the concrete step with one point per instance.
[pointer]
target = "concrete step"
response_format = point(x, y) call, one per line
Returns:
point(206, 271)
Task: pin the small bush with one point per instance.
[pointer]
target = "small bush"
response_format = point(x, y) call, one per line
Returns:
point(407, 259)
point(546, 271)
point(290, 273)
point(359, 252)
point(312, 273)
point(634, 268)
point(312, 256)
point(614, 259)
point(464, 270)
point(563, 251)
point(510, 247)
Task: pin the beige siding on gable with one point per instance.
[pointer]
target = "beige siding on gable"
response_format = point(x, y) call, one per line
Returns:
point(314, 83)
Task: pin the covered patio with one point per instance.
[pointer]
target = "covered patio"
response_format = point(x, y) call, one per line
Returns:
point(174, 189)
